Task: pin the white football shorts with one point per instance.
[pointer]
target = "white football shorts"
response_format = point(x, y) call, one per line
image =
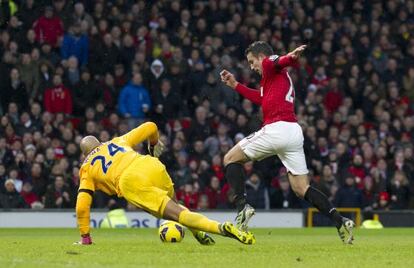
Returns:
point(284, 139)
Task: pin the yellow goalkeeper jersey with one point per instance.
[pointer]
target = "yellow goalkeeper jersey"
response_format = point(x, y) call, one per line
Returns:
point(103, 166)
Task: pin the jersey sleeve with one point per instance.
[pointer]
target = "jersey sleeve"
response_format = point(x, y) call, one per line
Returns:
point(276, 63)
point(249, 93)
point(86, 182)
point(84, 201)
point(148, 130)
point(83, 211)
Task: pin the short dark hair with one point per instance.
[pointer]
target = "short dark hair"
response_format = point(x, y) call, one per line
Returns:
point(259, 47)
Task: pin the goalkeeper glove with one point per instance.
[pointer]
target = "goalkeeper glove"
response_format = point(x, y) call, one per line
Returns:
point(86, 239)
point(157, 149)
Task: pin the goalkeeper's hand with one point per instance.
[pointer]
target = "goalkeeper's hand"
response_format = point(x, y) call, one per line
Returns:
point(86, 239)
point(157, 149)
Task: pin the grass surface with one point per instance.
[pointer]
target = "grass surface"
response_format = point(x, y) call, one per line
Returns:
point(317, 247)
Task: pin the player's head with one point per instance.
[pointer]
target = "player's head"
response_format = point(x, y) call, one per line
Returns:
point(255, 54)
point(89, 143)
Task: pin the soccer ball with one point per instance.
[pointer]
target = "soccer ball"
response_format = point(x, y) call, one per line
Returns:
point(171, 231)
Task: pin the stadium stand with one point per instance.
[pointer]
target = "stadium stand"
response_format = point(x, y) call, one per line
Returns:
point(75, 68)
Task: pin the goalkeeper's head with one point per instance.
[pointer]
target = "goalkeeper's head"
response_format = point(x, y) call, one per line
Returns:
point(89, 143)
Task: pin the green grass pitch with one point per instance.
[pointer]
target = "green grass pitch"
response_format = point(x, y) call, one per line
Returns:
point(317, 247)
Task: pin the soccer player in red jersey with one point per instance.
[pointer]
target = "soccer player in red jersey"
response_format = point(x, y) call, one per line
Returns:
point(280, 135)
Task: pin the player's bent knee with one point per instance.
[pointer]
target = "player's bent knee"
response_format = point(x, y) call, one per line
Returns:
point(227, 159)
point(235, 155)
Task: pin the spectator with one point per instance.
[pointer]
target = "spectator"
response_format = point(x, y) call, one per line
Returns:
point(63, 10)
point(257, 194)
point(399, 191)
point(408, 82)
point(134, 101)
point(72, 72)
point(333, 98)
point(25, 125)
point(48, 28)
point(213, 192)
point(28, 13)
point(212, 143)
point(80, 16)
point(320, 80)
point(58, 98)
point(48, 54)
point(14, 176)
point(45, 80)
point(29, 74)
point(38, 179)
point(166, 101)
point(15, 91)
point(58, 195)
point(384, 199)
point(283, 196)
point(187, 196)
point(11, 198)
point(203, 202)
point(200, 128)
point(86, 93)
point(357, 170)
point(155, 75)
point(369, 196)
point(8, 9)
point(29, 197)
point(109, 91)
point(327, 182)
point(128, 51)
point(104, 55)
point(75, 44)
point(3, 178)
point(182, 174)
point(6, 155)
point(212, 92)
point(349, 196)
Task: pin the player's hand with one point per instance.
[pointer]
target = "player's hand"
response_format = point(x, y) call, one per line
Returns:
point(295, 54)
point(228, 79)
point(86, 239)
point(157, 149)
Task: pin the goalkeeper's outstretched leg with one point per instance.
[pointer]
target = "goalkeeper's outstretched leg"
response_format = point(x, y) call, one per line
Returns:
point(197, 221)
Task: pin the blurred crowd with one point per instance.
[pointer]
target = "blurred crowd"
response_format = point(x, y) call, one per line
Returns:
point(75, 68)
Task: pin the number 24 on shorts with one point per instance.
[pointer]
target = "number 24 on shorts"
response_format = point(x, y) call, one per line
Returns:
point(113, 149)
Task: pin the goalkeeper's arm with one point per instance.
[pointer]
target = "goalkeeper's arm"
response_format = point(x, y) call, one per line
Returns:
point(83, 208)
point(147, 131)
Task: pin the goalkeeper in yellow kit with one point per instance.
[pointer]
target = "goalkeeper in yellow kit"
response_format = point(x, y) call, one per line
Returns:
point(115, 168)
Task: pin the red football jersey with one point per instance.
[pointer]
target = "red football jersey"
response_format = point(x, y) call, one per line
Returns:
point(276, 95)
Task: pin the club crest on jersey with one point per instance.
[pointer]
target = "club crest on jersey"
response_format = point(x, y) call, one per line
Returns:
point(273, 57)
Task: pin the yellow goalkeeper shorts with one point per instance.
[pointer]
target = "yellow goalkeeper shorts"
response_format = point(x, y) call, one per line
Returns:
point(147, 185)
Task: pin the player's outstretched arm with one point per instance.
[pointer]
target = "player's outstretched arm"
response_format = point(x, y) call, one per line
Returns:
point(249, 93)
point(83, 208)
point(147, 131)
point(291, 58)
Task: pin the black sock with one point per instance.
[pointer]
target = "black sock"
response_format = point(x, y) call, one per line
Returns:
point(236, 177)
point(321, 202)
